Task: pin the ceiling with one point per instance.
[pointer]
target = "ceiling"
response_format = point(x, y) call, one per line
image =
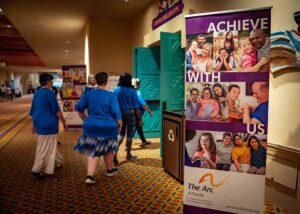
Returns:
point(50, 33)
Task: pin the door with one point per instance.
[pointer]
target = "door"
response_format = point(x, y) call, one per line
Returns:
point(147, 69)
point(172, 71)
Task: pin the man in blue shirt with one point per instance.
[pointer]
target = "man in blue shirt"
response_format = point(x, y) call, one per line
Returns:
point(259, 114)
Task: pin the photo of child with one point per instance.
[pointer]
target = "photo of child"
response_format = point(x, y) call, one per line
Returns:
point(68, 106)
point(206, 151)
point(235, 152)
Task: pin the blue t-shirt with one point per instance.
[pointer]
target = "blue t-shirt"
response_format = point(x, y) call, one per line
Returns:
point(142, 102)
point(43, 111)
point(261, 113)
point(127, 98)
point(103, 113)
point(258, 157)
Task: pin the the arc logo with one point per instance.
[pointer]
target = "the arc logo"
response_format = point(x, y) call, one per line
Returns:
point(210, 178)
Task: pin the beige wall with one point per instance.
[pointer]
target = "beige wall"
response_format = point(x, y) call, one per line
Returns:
point(284, 119)
point(3, 75)
point(110, 46)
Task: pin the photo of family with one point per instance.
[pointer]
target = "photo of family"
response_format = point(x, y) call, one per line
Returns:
point(76, 77)
point(236, 152)
point(235, 51)
point(228, 102)
point(69, 90)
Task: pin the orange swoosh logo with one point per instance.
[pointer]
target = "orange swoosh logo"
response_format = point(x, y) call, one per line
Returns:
point(211, 180)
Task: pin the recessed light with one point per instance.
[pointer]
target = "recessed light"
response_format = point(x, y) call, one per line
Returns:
point(67, 42)
point(67, 51)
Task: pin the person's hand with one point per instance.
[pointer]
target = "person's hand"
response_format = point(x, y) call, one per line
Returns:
point(150, 113)
point(65, 126)
point(246, 107)
point(199, 99)
point(264, 61)
point(240, 170)
point(33, 130)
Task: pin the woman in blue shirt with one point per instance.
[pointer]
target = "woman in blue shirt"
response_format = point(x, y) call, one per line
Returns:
point(143, 107)
point(100, 127)
point(45, 113)
point(129, 105)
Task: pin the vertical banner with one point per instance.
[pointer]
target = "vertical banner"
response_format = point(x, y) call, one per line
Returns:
point(74, 81)
point(226, 95)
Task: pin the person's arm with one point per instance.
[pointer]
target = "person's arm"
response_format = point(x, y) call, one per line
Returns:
point(138, 115)
point(209, 65)
point(246, 115)
point(219, 64)
point(216, 108)
point(237, 165)
point(62, 119)
point(257, 66)
point(146, 107)
point(234, 157)
point(120, 123)
point(227, 66)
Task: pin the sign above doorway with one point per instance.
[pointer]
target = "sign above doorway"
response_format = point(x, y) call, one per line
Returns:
point(167, 11)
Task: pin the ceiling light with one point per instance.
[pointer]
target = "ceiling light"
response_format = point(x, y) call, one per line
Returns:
point(67, 42)
point(67, 51)
point(1, 10)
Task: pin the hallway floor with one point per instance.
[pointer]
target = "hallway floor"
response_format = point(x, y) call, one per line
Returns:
point(141, 186)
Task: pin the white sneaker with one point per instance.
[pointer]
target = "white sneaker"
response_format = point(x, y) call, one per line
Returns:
point(90, 180)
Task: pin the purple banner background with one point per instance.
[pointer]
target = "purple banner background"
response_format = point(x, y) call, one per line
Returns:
point(236, 77)
point(160, 16)
point(200, 24)
point(220, 126)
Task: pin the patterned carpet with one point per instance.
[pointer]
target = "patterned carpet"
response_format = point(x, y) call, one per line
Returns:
point(142, 186)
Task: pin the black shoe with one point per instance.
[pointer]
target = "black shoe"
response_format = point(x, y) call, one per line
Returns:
point(41, 176)
point(111, 172)
point(116, 162)
point(89, 180)
point(35, 173)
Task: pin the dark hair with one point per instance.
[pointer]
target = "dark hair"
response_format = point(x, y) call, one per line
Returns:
point(223, 94)
point(189, 134)
point(125, 80)
point(227, 134)
point(234, 136)
point(209, 89)
point(44, 78)
point(233, 86)
point(255, 138)
point(212, 143)
point(222, 88)
point(101, 78)
point(194, 89)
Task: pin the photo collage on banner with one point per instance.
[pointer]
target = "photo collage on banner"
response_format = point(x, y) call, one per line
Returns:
point(74, 82)
point(226, 100)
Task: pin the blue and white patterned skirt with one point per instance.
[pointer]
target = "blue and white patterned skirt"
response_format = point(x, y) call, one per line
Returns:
point(96, 146)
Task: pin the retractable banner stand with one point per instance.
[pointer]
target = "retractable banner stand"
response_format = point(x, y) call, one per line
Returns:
point(226, 95)
point(74, 81)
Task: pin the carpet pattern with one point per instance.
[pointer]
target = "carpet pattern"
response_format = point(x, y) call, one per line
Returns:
point(141, 186)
